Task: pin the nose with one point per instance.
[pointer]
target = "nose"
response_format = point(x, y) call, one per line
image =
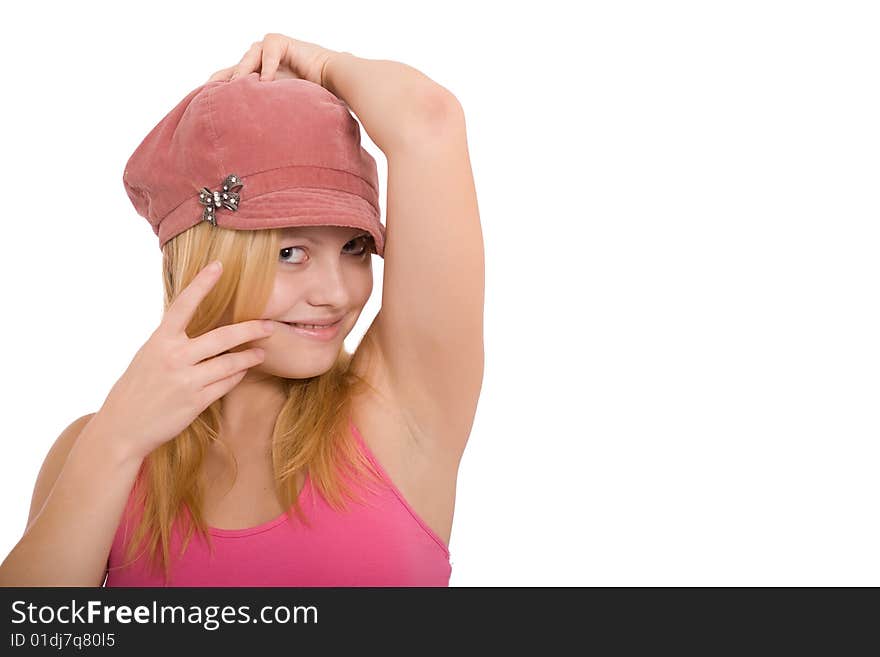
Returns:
point(327, 284)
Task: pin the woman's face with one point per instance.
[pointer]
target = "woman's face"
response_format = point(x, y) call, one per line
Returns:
point(324, 273)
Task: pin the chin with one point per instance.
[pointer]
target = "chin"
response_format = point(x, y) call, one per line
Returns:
point(292, 367)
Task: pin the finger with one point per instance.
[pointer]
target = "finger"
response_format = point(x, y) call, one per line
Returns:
point(222, 74)
point(226, 365)
point(224, 338)
point(218, 389)
point(272, 52)
point(180, 312)
point(250, 61)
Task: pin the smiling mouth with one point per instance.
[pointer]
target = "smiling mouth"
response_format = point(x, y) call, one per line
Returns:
point(313, 326)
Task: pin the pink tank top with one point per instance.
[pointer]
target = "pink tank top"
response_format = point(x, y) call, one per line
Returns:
point(381, 543)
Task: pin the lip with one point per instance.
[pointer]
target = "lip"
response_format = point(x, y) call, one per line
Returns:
point(323, 321)
point(324, 334)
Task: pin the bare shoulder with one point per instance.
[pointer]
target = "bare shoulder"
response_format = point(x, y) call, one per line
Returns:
point(53, 463)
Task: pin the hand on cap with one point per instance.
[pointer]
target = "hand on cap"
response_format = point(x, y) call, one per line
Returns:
point(278, 56)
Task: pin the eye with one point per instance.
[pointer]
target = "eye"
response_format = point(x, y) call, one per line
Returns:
point(287, 251)
point(364, 241)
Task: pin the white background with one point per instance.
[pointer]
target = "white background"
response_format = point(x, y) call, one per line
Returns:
point(679, 203)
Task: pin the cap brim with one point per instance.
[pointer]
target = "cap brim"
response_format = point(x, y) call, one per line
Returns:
point(305, 206)
point(297, 206)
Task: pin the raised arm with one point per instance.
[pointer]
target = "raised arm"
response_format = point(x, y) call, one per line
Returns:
point(430, 326)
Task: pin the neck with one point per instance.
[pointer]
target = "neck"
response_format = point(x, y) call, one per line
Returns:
point(250, 410)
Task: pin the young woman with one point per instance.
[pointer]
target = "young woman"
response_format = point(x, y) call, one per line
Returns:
point(233, 454)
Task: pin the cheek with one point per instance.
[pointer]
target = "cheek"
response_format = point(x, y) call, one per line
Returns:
point(289, 289)
point(287, 292)
point(283, 297)
point(363, 286)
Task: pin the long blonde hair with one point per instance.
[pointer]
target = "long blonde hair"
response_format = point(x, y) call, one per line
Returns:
point(311, 431)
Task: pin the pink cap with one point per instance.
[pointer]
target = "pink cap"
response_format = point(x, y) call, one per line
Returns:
point(249, 154)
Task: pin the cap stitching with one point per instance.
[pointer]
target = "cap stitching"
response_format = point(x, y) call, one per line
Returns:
point(213, 129)
point(274, 191)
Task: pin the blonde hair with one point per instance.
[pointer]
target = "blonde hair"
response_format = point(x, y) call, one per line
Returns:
point(311, 431)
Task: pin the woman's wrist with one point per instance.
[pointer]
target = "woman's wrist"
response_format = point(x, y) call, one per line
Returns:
point(326, 78)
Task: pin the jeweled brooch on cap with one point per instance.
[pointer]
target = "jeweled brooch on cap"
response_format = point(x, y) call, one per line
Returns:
point(226, 198)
